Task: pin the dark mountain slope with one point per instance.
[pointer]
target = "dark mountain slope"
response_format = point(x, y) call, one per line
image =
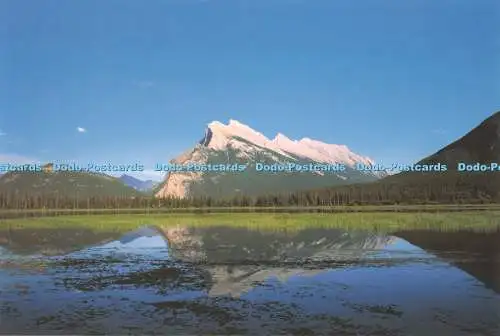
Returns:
point(482, 144)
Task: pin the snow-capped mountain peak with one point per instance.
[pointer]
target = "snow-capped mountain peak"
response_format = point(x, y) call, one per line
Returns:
point(281, 138)
point(219, 136)
point(238, 144)
point(334, 153)
point(319, 151)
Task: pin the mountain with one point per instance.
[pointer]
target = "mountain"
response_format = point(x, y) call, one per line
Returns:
point(479, 146)
point(137, 184)
point(66, 184)
point(237, 144)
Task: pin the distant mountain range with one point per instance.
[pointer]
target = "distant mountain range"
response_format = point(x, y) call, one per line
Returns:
point(137, 184)
point(236, 143)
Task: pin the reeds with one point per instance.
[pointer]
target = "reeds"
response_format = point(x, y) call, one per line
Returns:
point(378, 221)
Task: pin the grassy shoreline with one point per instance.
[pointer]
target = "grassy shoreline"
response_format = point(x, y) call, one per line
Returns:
point(482, 221)
point(11, 213)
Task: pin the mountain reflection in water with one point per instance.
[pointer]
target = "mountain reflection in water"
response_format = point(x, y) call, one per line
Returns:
point(220, 279)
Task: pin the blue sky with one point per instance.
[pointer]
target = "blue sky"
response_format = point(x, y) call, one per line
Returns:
point(394, 80)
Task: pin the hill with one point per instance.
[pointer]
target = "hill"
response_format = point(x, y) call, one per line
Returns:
point(481, 144)
point(64, 184)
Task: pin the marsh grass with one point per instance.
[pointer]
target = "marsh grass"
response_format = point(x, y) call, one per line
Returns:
point(380, 222)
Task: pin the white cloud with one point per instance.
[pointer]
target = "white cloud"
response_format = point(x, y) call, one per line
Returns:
point(81, 130)
point(2, 133)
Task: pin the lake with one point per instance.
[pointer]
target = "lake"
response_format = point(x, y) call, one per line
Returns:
point(224, 279)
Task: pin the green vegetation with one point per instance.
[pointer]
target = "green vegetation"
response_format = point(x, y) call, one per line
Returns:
point(386, 222)
point(400, 192)
point(61, 188)
point(16, 213)
point(449, 187)
point(251, 183)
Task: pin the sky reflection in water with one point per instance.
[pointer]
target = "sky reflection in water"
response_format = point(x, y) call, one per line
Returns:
point(234, 280)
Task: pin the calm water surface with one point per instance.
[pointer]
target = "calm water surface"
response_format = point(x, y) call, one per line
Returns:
point(226, 280)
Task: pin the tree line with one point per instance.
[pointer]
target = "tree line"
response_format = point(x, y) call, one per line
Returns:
point(421, 189)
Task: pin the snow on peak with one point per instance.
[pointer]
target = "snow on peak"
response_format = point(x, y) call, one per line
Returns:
point(238, 129)
point(280, 138)
point(319, 151)
point(221, 135)
point(334, 153)
point(236, 123)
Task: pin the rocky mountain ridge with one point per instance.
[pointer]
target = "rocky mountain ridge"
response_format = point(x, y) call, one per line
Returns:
point(239, 143)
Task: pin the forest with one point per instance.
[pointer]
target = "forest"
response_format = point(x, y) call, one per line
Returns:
point(408, 189)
